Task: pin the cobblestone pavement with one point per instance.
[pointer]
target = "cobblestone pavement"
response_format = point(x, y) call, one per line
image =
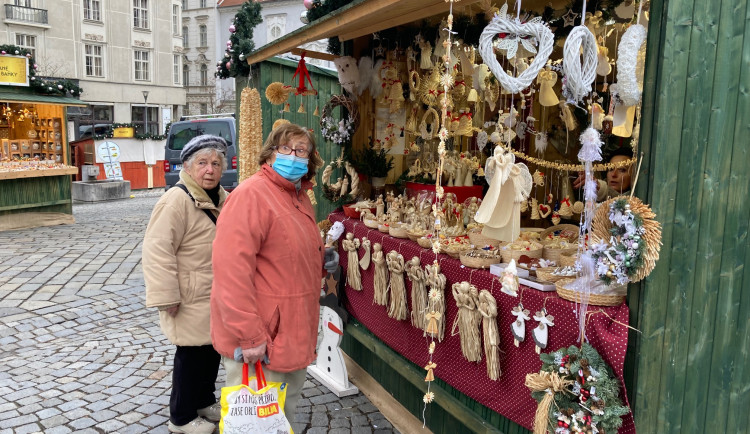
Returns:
point(79, 352)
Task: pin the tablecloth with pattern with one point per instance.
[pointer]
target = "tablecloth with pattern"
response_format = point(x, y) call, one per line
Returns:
point(508, 395)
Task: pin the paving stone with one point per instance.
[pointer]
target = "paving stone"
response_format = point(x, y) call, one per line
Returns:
point(81, 423)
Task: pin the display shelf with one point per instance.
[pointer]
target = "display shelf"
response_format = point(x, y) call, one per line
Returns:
point(33, 173)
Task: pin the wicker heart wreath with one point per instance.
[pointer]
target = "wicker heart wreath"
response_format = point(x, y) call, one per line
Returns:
point(534, 29)
point(579, 74)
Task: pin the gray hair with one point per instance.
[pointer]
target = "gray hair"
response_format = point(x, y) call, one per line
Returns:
point(205, 152)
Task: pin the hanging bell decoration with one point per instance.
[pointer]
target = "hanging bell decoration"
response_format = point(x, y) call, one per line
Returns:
point(301, 108)
point(472, 95)
point(316, 112)
point(287, 108)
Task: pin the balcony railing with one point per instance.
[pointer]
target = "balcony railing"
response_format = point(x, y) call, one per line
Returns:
point(21, 13)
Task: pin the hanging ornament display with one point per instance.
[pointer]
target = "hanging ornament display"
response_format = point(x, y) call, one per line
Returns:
point(541, 331)
point(547, 95)
point(364, 263)
point(518, 327)
point(416, 276)
point(435, 316)
point(579, 72)
point(629, 86)
point(277, 93)
point(304, 77)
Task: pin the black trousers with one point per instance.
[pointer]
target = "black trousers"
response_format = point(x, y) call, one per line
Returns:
point(193, 382)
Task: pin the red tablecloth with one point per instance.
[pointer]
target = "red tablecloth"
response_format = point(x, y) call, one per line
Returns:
point(508, 396)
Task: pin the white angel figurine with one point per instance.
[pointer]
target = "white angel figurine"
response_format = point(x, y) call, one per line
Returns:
point(510, 279)
point(510, 184)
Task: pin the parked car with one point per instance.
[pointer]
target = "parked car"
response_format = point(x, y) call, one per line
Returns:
point(188, 127)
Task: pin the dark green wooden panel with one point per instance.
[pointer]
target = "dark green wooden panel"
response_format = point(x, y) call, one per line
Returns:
point(38, 194)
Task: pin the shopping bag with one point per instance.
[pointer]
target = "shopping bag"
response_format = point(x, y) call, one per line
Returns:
point(261, 411)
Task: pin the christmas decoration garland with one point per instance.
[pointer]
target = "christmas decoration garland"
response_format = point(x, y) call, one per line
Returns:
point(240, 43)
point(41, 85)
point(583, 390)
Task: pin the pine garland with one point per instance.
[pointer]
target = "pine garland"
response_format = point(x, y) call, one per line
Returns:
point(624, 255)
point(61, 86)
point(590, 397)
point(240, 43)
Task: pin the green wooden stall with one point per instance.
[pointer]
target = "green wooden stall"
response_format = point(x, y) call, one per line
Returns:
point(325, 81)
point(688, 369)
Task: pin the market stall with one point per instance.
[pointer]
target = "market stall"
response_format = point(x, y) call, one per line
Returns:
point(35, 165)
point(540, 99)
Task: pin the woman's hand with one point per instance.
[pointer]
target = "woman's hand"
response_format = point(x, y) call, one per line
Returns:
point(578, 183)
point(252, 355)
point(172, 311)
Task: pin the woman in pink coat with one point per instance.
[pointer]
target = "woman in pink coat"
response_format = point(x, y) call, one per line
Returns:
point(268, 264)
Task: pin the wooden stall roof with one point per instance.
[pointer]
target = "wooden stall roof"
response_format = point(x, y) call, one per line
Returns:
point(359, 18)
point(23, 95)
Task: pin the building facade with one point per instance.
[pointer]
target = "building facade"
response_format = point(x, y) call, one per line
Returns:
point(279, 18)
point(126, 55)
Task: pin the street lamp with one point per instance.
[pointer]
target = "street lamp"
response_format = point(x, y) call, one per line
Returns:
point(145, 109)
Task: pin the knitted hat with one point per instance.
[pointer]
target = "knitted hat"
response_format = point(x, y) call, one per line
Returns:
point(203, 142)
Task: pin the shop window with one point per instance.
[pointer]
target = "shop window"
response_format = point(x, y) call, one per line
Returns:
point(203, 32)
point(204, 75)
point(27, 41)
point(141, 65)
point(94, 60)
point(176, 69)
point(185, 75)
point(140, 14)
point(185, 37)
point(152, 118)
point(176, 20)
point(92, 10)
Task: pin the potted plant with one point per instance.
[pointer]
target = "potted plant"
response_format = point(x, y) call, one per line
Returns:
point(374, 163)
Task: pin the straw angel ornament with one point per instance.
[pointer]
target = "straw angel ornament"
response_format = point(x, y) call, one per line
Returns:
point(487, 307)
point(435, 315)
point(510, 279)
point(353, 277)
point(510, 184)
point(380, 281)
point(415, 273)
point(541, 331)
point(467, 320)
point(397, 308)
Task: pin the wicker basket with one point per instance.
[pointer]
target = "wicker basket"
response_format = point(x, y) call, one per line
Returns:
point(546, 274)
point(567, 259)
point(372, 224)
point(508, 254)
point(384, 228)
point(614, 299)
point(455, 250)
point(480, 240)
point(554, 253)
point(478, 262)
point(413, 236)
point(425, 242)
point(398, 231)
point(574, 230)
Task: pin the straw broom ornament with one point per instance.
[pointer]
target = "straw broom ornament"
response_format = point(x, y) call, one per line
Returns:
point(436, 302)
point(251, 132)
point(397, 308)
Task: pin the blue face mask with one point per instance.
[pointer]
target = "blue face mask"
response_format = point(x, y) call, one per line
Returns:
point(290, 167)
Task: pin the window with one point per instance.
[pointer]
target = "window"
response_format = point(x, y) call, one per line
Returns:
point(203, 32)
point(204, 108)
point(203, 3)
point(93, 60)
point(24, 3)
point(140, 14)
point(28, 42)
point(137, 114)
point(141, 65)
point(184, 5)
point(184, 37)
point(176, 19)
point(176, 69)
point(204, 75)
point(185, 75)
point(92, 10)
point(275, 32)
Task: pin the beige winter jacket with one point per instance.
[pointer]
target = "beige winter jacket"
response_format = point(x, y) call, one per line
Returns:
point(177, 252)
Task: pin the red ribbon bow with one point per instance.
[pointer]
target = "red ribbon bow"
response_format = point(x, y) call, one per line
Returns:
point(303, 74)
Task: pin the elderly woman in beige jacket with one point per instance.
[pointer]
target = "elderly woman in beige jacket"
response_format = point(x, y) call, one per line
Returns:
point(177, 251)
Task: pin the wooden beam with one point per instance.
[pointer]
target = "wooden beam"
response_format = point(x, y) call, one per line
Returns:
point(415, 15)
point(314, 54)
